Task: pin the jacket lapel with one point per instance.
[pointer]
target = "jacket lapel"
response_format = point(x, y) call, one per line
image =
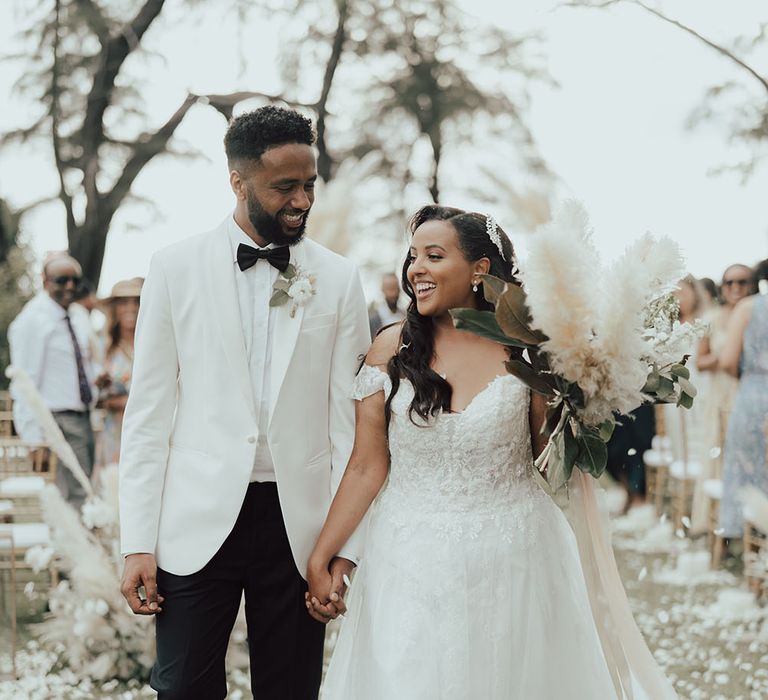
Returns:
point(225, 310)
point(286, 333)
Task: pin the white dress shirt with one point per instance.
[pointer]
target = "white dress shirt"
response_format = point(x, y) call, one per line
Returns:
point(254, 290)
point(41, 345)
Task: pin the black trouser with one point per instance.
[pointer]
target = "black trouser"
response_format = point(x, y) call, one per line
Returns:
point(285, 643)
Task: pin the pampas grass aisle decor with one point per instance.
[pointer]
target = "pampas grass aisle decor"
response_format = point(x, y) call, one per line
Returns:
point(22, 385)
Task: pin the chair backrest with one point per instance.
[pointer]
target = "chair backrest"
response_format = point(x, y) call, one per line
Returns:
point(18, 458)
point(6, 423)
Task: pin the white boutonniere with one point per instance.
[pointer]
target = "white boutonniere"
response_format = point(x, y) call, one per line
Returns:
point(294, 285)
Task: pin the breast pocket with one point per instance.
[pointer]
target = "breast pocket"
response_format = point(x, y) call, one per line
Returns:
point(318, 321)
point(317, 334)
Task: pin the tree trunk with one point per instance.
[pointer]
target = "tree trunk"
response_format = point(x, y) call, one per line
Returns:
point(436, 140)
point(324, 160)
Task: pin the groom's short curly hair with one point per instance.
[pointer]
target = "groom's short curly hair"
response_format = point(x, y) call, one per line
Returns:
point(249, 135)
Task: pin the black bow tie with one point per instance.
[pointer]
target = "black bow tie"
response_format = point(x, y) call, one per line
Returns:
point(247, 256)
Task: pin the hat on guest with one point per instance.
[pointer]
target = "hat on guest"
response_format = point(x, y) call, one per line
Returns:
point(124, 289)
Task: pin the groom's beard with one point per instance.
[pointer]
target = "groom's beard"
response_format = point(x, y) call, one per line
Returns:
point(268, 226)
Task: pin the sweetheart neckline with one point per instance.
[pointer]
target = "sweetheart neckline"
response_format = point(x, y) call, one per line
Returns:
point(488, 386)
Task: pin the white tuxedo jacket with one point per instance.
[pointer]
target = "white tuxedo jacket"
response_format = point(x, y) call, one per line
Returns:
point(190, 427)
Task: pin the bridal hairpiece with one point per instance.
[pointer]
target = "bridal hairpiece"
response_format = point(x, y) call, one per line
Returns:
point(493, 233)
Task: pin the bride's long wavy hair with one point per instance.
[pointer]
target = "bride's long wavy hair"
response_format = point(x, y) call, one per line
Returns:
point(432, 393)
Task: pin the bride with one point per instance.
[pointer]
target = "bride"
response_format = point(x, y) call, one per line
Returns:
point(472, 585)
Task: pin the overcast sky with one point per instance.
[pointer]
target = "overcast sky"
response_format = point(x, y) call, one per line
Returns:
point(613, 131)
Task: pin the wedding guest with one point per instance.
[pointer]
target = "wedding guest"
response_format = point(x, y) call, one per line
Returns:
point(632, 436)
point(745, 355)
point(121, 308)
point(389, 310)
point(710, 290)
point(684, 427)
point(715, 401)
point(51, 344)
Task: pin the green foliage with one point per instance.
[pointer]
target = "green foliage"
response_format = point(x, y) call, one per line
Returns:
point(16, 289)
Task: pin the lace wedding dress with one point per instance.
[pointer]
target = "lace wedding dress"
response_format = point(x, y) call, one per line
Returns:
point(471, 587)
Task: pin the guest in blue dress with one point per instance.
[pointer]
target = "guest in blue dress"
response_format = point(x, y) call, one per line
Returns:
point(745, 354)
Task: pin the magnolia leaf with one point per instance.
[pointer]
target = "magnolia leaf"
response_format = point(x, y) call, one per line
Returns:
point(493, 288)
point(593, 453)
point(652, 383)
point(525, 373)
point(553, 418)
point(605, 429)
point(666, 388)
point(513, 316)
point(679, 370)
point(482, 323)
point(561, 459)
point(685, 400)
point(290, 272)
point(686, 386)
point(279, 298)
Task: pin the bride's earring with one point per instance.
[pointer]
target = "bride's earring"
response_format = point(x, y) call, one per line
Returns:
point(474, 287)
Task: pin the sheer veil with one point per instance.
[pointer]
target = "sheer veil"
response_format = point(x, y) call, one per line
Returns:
point(634, 671)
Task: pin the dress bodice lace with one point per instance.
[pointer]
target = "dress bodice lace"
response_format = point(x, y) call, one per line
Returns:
point(458, 470)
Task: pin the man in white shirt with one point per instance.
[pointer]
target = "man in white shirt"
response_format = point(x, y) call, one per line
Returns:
point(50, 341)
point(389, 309)
point(239, 426)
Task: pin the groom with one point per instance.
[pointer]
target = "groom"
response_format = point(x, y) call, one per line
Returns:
point(239, 425)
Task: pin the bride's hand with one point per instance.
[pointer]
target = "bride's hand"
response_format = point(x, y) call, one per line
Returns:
point(317, 598)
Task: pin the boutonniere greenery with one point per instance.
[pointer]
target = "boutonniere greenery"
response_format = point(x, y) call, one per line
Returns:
point(294, 285)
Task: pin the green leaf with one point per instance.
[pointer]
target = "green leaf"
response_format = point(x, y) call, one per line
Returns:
point(685, 400)
point(281, 284)
point(493, 287)
point(687, 387)
point(484, 324)
point(525, 373)
point(561, 459)
point(553, 418)
point(605, 429)
point(514, 318)
point(279, 298)
point(290, 272)
point(593, 453)
point(679, 370)
point(652, 383)
point(666, 388)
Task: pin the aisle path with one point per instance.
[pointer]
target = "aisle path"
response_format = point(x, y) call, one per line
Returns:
point(704, 628)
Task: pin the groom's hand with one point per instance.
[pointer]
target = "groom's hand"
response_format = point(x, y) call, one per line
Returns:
point(141, 570)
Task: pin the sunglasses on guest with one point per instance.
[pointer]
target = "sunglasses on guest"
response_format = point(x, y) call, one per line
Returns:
point(62, 280)
point(738, 282)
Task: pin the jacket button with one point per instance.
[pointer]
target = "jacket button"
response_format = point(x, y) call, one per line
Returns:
point(251, 439)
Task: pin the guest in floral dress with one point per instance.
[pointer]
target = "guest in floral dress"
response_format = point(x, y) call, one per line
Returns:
point(745, 355)
point(716, 397)
point(121, 309)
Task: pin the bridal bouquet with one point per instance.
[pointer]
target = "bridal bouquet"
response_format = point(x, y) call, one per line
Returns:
point(598, 340)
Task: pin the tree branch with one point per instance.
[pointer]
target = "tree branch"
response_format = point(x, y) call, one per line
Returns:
point(113, 55)
point(225, 104)
point(713, 45)
point(64, 196)
point(324, 159)
point(144, 151)
point(94, 18)
point(717, 47)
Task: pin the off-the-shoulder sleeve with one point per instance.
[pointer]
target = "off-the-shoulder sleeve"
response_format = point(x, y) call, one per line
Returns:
point(368, 381)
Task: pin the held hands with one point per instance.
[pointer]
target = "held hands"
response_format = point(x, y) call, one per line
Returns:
point(327, 588)
point(141, 570)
